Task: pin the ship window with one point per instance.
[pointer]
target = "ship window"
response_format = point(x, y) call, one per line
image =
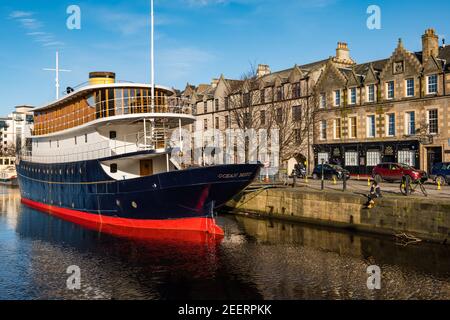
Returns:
point(91, 100)
point(112, 135)
point(75, 138)
point(113, 168)
point(85, 138)
point(50, 143)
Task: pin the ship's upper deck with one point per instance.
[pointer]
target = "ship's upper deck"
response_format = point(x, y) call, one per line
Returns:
point(104, 99)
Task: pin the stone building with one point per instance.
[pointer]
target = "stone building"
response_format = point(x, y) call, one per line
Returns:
point(14, 130)
point(394, 109)
point(391, 110)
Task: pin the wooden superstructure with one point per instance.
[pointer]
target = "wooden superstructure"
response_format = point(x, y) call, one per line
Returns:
point(103, 100)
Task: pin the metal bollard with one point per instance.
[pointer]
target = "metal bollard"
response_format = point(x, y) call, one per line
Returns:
point(408, 185)
point(294, 181)
point(344, 183)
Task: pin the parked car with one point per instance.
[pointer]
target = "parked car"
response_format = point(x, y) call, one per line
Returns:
point(440, 173)
point(396, 171)
point(331, 172)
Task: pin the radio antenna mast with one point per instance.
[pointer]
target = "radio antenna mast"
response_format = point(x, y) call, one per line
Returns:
point(57, 70)
point(152, 53)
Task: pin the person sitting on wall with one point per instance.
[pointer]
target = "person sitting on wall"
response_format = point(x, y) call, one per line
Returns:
point(375, 192)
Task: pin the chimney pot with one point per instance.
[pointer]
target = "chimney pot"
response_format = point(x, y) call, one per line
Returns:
point(430, 44)
point(263, 70)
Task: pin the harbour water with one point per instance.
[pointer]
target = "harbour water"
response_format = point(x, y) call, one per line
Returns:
point(257, 259)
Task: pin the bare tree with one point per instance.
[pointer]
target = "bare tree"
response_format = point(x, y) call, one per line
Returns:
point(296, 120)
point(8, 151)
point(247, 108)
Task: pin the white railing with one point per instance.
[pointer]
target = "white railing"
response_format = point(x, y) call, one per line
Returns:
point(112, 107)
point(127, 144)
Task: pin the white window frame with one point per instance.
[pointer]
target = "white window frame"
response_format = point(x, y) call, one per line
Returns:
point(323, 101)
point(350, 94)
point(371, 157)
point(351, 159)
point(323, 129)
point(437, 119)
point(369, 124)
point(406, 157)
point(337, 95)
point(408, 131)
point(388, 125)
point(388, 90)
point(428, 83)
point(323, 155)
point(350, 127)
point(413, 88)
point(368, 92)
point(335, 127)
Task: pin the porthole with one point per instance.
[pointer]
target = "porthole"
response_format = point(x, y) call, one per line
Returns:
point(118, 203)
point(134, 205)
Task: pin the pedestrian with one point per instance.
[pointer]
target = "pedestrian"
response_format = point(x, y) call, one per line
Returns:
point(374, 193)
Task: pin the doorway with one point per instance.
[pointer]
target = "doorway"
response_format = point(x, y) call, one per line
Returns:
point(146, 167)
point(434, 155)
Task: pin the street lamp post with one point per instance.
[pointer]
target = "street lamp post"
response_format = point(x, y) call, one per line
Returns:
point(322, 178)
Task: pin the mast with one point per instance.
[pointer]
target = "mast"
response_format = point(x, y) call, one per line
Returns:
point(152, 50)
point(57, 71)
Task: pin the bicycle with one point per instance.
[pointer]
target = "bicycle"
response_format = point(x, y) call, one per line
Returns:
point(413, 185)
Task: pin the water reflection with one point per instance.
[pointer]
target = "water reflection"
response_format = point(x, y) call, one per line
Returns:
point(257, 259)
point(295, 261)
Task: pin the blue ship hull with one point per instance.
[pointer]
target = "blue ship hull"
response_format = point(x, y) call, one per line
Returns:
point(84, 190)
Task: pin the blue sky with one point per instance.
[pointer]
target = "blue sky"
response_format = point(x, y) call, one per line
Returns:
point(196, 39)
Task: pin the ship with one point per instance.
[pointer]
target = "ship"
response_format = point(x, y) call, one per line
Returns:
point(8, 174)
point(101, 155)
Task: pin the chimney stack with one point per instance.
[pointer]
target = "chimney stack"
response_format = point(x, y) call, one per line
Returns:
point(214, 83)
point(263, 70)
point(430, 44)
point(342, 52)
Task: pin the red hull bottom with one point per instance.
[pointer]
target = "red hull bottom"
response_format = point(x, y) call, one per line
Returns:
point(104, 223)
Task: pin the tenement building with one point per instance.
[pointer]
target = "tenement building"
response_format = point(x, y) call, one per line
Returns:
point(338, 111)
point(391, 110)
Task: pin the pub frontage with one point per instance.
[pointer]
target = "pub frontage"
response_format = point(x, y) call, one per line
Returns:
point(361, 158)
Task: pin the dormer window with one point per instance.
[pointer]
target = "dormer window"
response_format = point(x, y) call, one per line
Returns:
point(371, 93)
point(352, 96)
point(410, 87)
point(296, 92)
point(390, 90)
point(280, 93)
point(323, 100)
point(432, 84)
point(337, 98)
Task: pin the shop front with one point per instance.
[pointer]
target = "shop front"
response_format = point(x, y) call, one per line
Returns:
point(361, 158)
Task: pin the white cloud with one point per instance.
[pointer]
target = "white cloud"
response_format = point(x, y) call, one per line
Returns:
point(205, 2)
point(34, 26)
point(125, 23)
point(181, 63)
point(20, 14)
